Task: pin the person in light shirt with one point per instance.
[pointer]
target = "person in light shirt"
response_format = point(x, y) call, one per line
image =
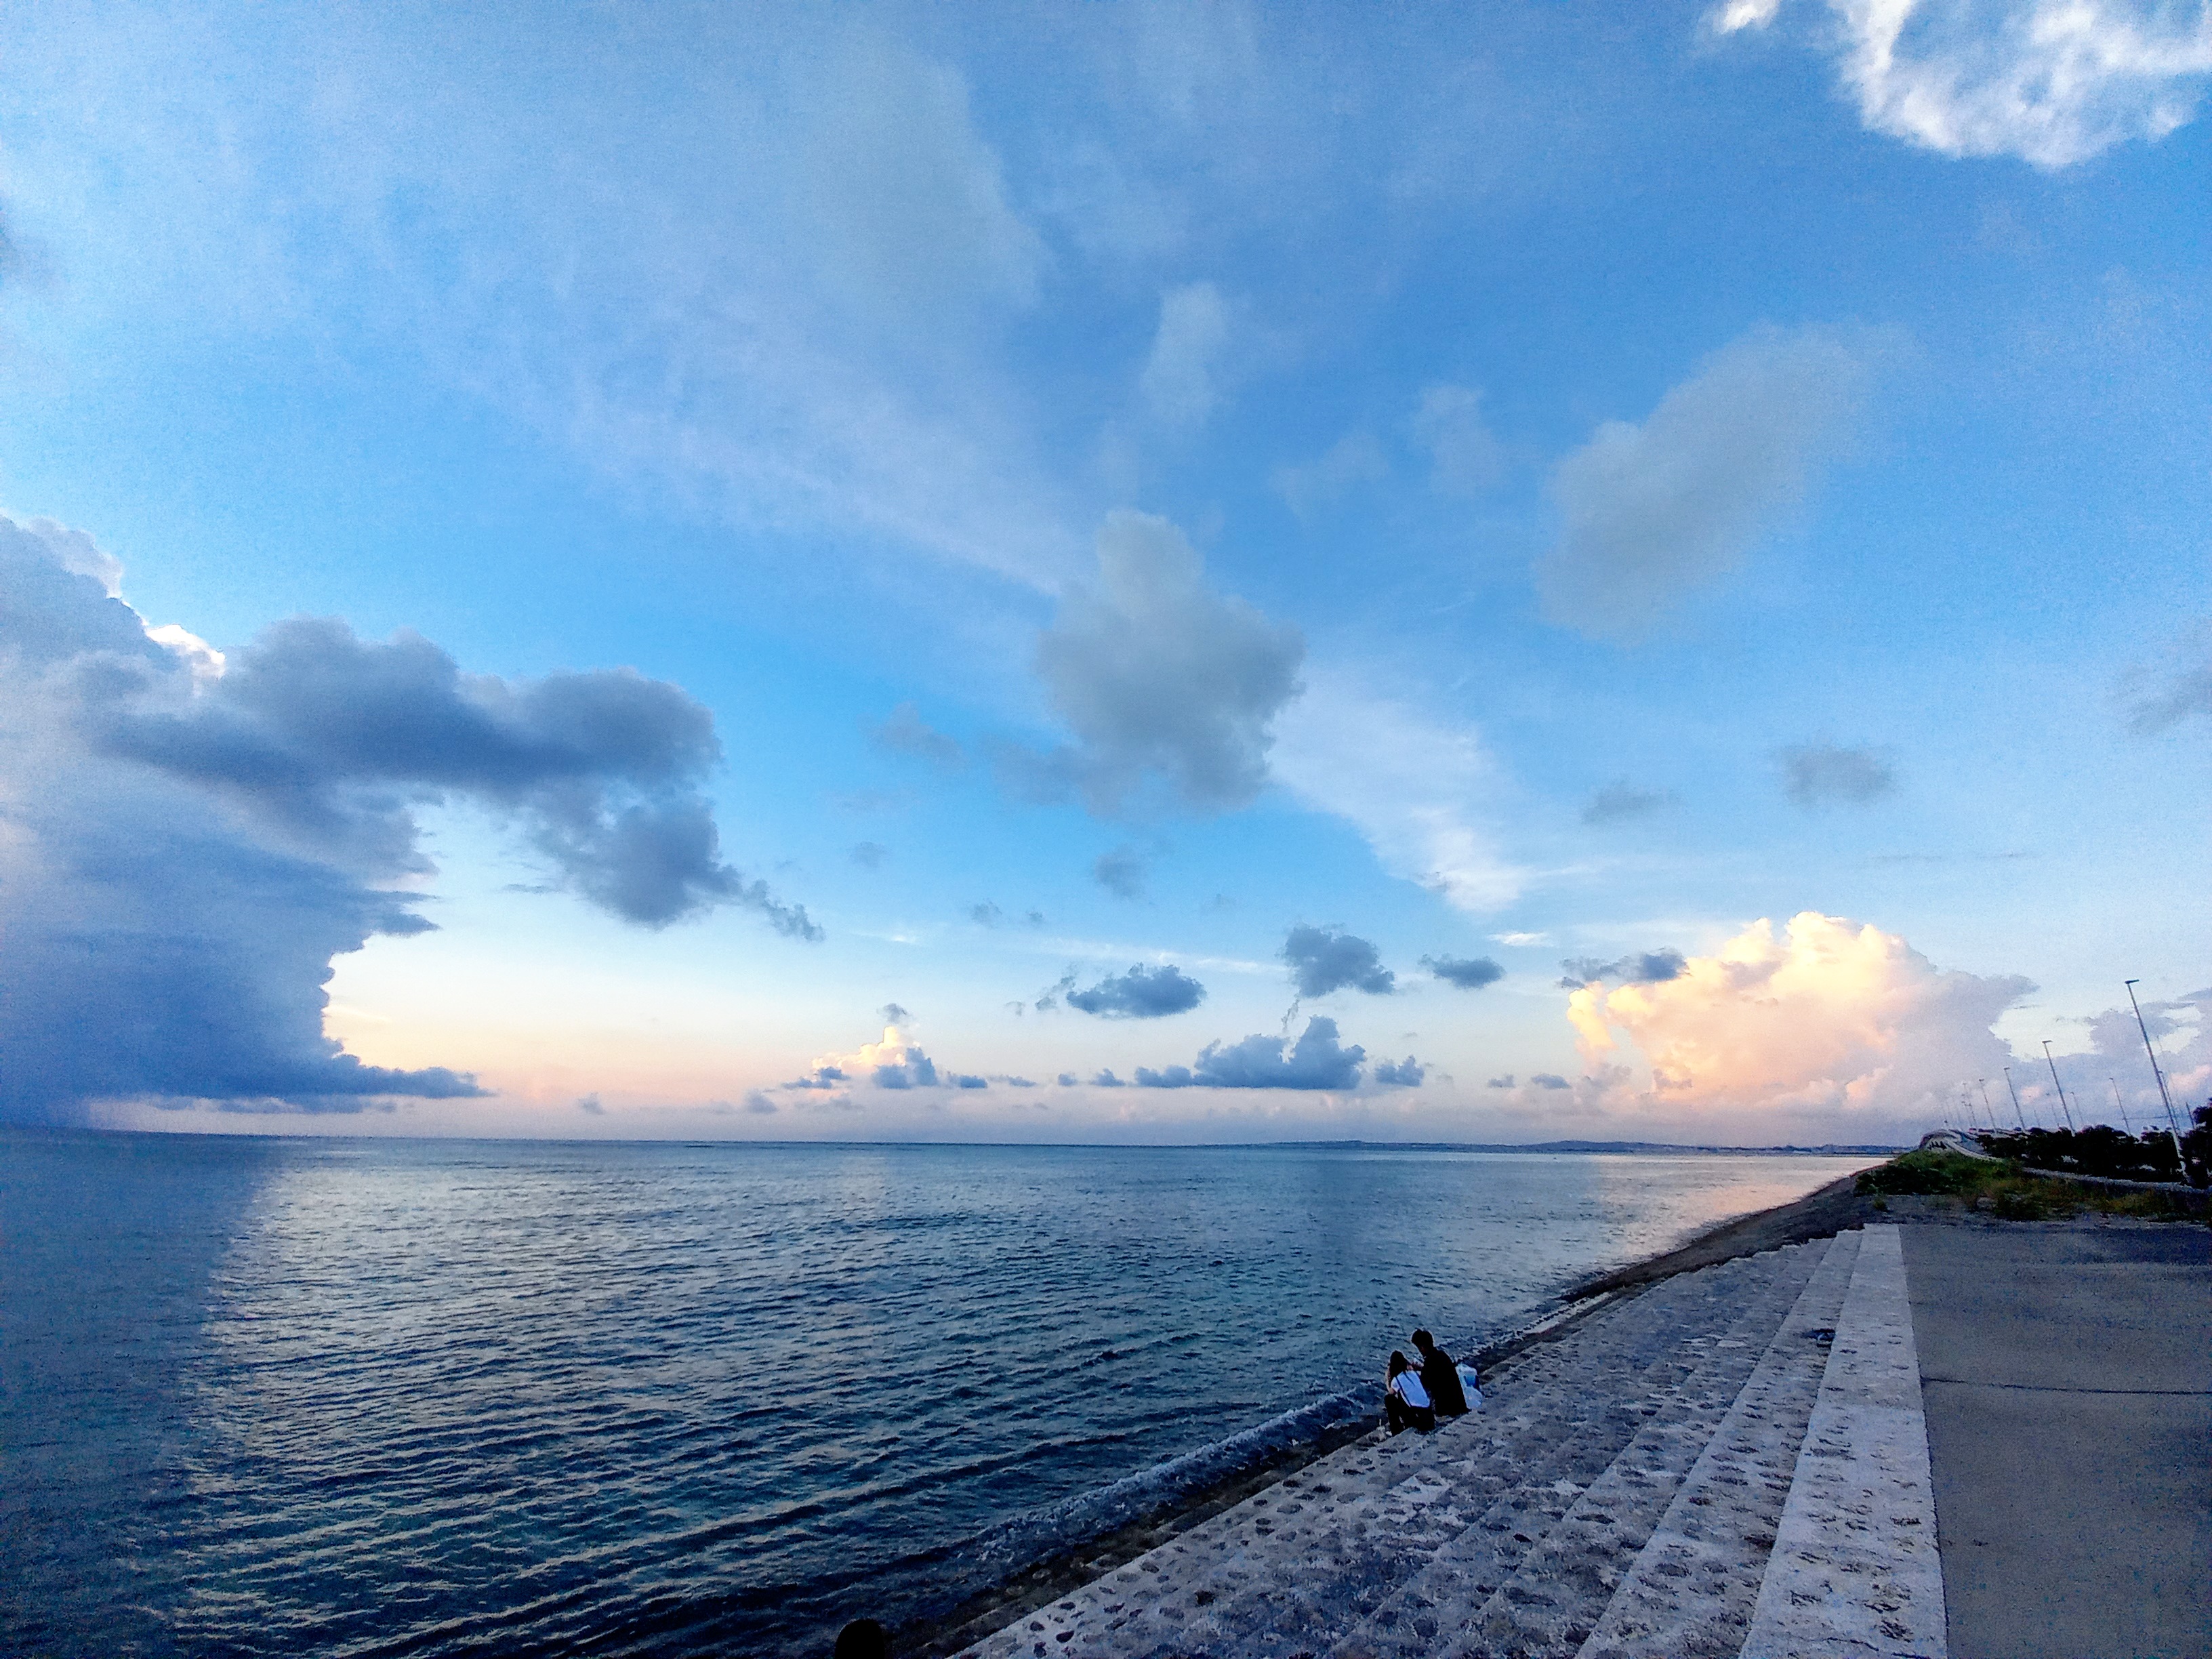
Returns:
point(1405, 1401)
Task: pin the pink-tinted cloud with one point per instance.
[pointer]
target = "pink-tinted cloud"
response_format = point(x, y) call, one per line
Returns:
point(1830, 1015)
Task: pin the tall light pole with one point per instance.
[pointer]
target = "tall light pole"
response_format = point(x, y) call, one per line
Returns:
point(2171, 1122)
point(2014, 1093)
point(2061, 1087)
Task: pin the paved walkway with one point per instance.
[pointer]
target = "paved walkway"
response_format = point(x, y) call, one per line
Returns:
point(2067, 1376)
point(1754, 1459)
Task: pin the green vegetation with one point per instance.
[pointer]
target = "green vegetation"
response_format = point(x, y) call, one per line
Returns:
point(2005, 1189)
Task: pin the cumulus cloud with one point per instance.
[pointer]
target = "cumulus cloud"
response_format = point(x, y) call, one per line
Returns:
point(906, 733)
point(985, 915)
point(1469, 973)
point(1643, 968)
point(1618, 802)
point(1549, 1080)
point(1105, 1078)
point(759, 1105)
point(1464, 458)
point(1326, 959)
point(1406, 1073)
point(1183, 377)
point(187, 841)
point(2051, 82)
point(1829, 1015)
point(1121, 872)
point(2180, 1030)
point(1817, 775)
point(895, 1062)
point(1650, 513)
point(589, 1105)
point(1157, 677)
point(1505, 1082)
point(1141, 993)
point(330, 741)
point(1355, 459)
point(1316, 1060)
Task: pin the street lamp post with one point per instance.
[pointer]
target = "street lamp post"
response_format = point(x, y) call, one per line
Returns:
point(2061, 1087)
point(2173, 1123)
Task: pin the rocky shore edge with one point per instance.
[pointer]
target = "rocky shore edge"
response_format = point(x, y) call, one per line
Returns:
point(1822, 1213)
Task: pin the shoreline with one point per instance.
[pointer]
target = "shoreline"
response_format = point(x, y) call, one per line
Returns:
point(1822, 1213)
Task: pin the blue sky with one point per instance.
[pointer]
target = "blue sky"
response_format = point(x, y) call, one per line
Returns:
point(1534, 486)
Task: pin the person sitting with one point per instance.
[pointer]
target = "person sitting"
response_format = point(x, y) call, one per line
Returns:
point(1405, 1401)
point(1440, 1376)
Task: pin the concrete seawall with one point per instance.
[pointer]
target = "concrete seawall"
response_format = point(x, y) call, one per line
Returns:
point(1732, 1459)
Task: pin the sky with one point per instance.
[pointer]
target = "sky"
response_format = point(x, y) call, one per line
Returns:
point(1104, 573)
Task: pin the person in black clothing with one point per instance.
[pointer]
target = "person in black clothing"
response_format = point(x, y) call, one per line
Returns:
point(1440, 1376)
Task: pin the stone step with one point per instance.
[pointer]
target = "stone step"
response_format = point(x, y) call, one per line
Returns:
point(1855, 1569)
point(1536, 1569)
point(1690, 1592)
point(1296, 1567)
point(1369, 1541)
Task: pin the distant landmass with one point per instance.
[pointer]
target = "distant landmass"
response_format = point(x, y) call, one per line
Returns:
point(1829, 1151)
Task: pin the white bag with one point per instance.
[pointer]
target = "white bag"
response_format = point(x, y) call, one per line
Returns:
point(1472, 1389)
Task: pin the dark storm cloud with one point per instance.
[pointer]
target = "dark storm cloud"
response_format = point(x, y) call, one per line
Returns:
point(1618, 802)
point(1316, 1060)
point(332, 741)
point(187, 846)
point(1159, 679)
point(904, 733)
point(1819, 774)
point(1469, 973)
point(1644, 967)
point(1326, 959)
point(1141, 993)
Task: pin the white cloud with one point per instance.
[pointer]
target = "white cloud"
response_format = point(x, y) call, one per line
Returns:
point(1353, 459)
point(1465, 457)
point(1422, 794)
point(2051, 82)
point(1651, 513)
point(1183, 376)
point(1833, 1016)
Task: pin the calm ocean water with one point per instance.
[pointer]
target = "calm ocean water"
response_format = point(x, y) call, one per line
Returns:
point(361, 1397)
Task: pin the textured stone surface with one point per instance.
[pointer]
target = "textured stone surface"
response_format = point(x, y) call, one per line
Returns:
point(1692, 1591)
point(1854, 1567)
point(1533, 1575)
point(1322, 1561)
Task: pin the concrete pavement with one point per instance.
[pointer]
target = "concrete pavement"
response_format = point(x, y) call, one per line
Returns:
point(2066, 1375)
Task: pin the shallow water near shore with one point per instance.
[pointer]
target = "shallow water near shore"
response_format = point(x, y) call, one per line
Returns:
point(372, 1397)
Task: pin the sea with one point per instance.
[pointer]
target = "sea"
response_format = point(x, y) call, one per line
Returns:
point(375, 1397)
